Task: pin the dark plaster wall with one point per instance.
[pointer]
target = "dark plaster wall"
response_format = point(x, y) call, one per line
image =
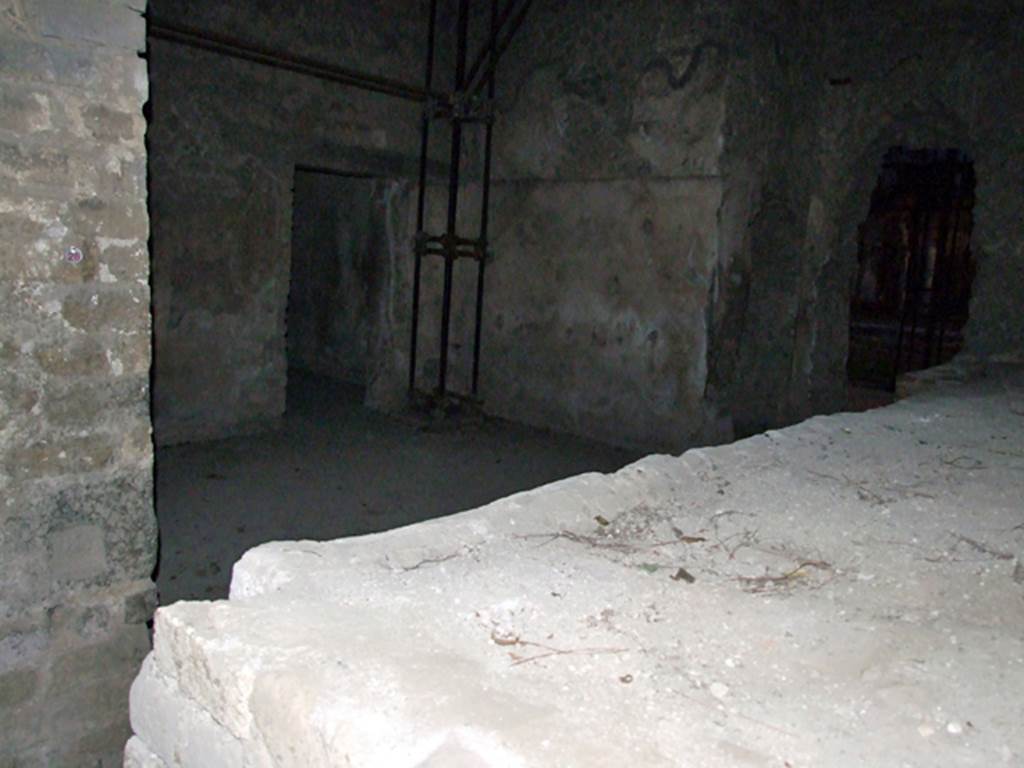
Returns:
point(224, 141)
point(676, 190)
point(607, 195)
point(605, 218)
point(922, 74)
point(820, 91)
point(772, 109)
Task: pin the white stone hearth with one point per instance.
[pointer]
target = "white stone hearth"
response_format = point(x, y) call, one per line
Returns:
point(845, 592)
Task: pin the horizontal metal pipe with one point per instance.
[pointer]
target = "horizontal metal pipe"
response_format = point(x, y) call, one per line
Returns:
point(459, 254)
point(326, 171)
point(239, 49)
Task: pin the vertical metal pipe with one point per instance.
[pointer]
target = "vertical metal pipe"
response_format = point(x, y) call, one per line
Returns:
point(453, 194)
point(485, 199)
point(485, 53)
point(909, 293)
point(421, 196)
point(939, 274)
point(921, 263)
point(506, 41)
point(953, 268)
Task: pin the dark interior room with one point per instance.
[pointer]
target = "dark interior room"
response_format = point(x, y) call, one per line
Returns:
point(500, 383)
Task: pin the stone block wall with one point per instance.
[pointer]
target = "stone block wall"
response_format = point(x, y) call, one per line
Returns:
point(77, 530)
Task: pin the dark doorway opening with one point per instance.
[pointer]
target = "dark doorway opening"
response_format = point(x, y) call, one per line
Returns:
point(338, 249)
point(915, 267)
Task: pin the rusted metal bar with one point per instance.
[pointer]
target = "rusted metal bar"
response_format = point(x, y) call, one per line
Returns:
point(446, 239)
point(453, 195)
point(485, 202)
point(421, 195)
point(940, 274)
point(953, 269)
point(485, 53)
point(462, 251)
point(241, 49)
point(462, 108)
point(517, 21)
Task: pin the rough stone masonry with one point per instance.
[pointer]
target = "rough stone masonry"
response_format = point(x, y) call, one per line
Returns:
point(77, 529)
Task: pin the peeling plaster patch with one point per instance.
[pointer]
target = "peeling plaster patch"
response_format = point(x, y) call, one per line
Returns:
point(116, 158)
point(56, 231)
point(142, 82)
point(116, 366)
point(106, 276)
point(103, 243)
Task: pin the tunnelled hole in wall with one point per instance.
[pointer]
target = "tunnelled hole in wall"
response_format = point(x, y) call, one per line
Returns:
point(337, 258)
point(911, 294)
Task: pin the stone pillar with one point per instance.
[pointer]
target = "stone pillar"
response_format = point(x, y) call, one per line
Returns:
point(77, 529)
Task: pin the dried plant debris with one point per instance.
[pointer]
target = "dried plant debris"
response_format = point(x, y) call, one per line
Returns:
point(981, 548)
point(723, 545)
point(782, 581)
point(535, 651)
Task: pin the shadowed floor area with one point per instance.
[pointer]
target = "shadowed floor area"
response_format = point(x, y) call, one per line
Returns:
point(336, 469)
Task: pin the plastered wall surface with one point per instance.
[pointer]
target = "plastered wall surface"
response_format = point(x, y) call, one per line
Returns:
point(673, 219)
point(608, 187)
point(77, 530)
point(819, 92)
point(949, 79)
point(225, 139)
point(604, 227)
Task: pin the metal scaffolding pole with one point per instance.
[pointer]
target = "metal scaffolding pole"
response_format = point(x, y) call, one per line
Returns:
point(421, 195)
point(485, 202)
point(451, 244)
point(462, 107)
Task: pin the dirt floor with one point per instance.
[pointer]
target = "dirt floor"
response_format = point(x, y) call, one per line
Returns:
point(337, 469)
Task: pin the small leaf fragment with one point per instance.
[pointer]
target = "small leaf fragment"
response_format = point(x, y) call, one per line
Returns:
point(683, 575)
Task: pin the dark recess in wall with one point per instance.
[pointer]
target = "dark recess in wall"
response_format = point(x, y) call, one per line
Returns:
point(910, 298)
point(337, 245)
